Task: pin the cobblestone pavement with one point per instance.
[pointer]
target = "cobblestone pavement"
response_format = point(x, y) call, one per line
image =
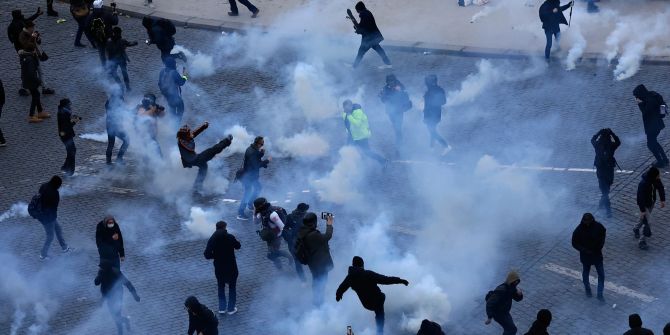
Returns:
point(548, 117)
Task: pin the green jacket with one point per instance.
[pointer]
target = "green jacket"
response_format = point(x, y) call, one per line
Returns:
point(357, 124)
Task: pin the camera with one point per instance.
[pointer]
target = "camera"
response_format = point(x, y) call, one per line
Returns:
point(326, 215)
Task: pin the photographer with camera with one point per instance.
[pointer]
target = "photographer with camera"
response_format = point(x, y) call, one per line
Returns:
point(312, 249)
point(66, 122)
point(146, 122)
point(99, 26)
point(605, 142)
point(273, 222)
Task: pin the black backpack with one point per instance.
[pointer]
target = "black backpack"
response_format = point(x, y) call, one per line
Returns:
point(98, 30)
point(661, 111)
point(35, 207)
point(302, 253)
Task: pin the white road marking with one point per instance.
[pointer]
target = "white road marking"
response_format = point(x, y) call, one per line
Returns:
point(230, 200)
point(618, 289)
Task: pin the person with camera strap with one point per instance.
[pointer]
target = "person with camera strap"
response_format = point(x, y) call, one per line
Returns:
point(271, 219)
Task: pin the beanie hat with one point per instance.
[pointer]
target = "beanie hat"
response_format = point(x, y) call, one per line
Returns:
point(634, 321)
point(260, 204)
point(97, 4)
point(512, 276)
point(302, 206)
point(587, 218)
point(309, 220)
point(357, 261)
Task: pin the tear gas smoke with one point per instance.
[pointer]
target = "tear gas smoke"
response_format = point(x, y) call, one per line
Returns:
point(19, 209)
point(201, 223)
point(305, 144)
point(485, 12)
point(577, 49)
point(342, 183)
point(241, 140)
point(313, 91)
point(198, 64)
point(97, 137)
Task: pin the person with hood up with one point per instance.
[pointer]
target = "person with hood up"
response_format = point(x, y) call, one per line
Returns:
point(589, 239)
point(358, 128)
point(653, 110)
point(114, 108)
point(14, 30)
point(117, 56)
point(221, 248)
point(290, 235)
point(170, 83)
point(111, 281)
point(551, 15)
point(370, 36)
point(189, 158)
point(499, 303)
point(109, 240)
point(364, 283)
point(605, 143)
point(540, 325)
point(271, 219)
point(316, 246)
point(146, 122)
point(66, 122)
point(635, 324)
point(646, 199)
point(49, 200)
point(434, 99)
point(249, 175)
point(201, 320)
point(99, 26)
point(397, 102)
point(161, 32)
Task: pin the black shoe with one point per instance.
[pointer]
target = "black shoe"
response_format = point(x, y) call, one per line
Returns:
point(24, 92)
point(80, 45)
point(601, 298)
point(636, 232)
point(233, 14)
point(255, 14)
point(3, 144)
point(643, 245)
point(589, 294)
point(48, 91)
point(52, 13)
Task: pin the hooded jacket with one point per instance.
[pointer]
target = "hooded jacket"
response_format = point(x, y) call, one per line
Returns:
point(65, 123)
point(253, 162)
point(500, 300)
point(605, 149)
point(396, 101)
point(50, 197)
point(221, 248)
point(551, 20)
point(434, 99)
point(646, 192)
point(589, 239)
point(357, 123)
point(201, 319)
point(364, 283)
point(639, 331)
point(108, 248)
point(316, 243)
point(538, 328)
point(16, 26)
point(650, 108)
point(367, 27)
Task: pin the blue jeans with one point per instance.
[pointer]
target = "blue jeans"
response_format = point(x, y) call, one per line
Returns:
point(549, 34)
point(318, 287)
point(505, 320)
point(71, 151)
point(252, 187)
point(232, 291)
point(586, 269)
point(51, 228)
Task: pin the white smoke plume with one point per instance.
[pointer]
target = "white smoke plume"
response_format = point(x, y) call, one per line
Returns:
point(97, 137)
point(241, 140)
point(485, 12)
point(201, 223)
point(198, 64)
point(577, 49)
point(304, 144)
point(341, 184)
point(19, 209)
point(313, 91)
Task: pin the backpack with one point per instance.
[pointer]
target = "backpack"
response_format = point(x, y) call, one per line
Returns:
point(283, 216)
point(268, 234)
point(35, 207)
point(98, 30)
point(663, 109)
point(301, 251)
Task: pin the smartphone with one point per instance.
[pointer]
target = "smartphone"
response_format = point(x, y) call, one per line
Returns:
point(326, 215)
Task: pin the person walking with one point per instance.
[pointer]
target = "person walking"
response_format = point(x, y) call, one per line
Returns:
point(434, 99)
point(201, 320)
point(589, 238)
point(221, 248)
point(109, 240)
point(3, 142)
point(117, 56)
point(356, 123)
point(646, 199)
point(234, 12)
point(80, 9)
point(397, 102)
point(189, 157)
point(49, 201)
point(370, 36)
point(290, 235)
point(317, 250)
point(605, 143)
point(161, 32)
point(99, 26)
point(111, 281)
point(653, 110)
point(364, 283)
point(551, 15)
point(249, 175)
point(271, 219)
point(635, 324)
point(499, 303)
point(170, 83)
point(66, 122)
point(541, 323)
point(114, 110)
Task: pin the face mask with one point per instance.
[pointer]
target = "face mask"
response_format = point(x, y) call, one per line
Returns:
point(110, 225)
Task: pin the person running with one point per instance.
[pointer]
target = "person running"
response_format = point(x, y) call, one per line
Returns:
point(356, 123)
point(111, 281)
point(499, 303)
point(551, 15)
point(234, 12)
point(370, 36)
point(170, 83)
point(48, 203)
point(653, 110)
point(271, 219)
point(646, 199)
point(434, 99)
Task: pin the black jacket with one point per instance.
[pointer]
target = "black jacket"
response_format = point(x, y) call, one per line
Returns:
point(107, 17)
point(605, 146)
point(367, 27)
point(110, 280)
point(319, 259)
point(253, 162)
point(650, 108)
point(2, 94)
point(108, 248)
point(16, 26)
point(434, 99)
point(551, 20)
point(538, 328)
point(170, 83)
point(646, 192)
point(639, 331)
point(161, 32)
point(364, 283)
point(30, 76)
point(221, 248)
point(65, 123)
point(116, 50)
point(589, 240)
point(204, 321)
point(500, 300)
point(292, 226)
point(396, 101)
point(50, 197)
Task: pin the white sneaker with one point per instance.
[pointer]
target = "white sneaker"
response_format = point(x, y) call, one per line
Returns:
point(384, 67)
point(222, 312)
point(446, 150)
point(232, 311)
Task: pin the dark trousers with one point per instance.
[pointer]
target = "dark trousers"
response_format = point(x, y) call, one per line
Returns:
point(51, 228)
point(505, 320)
point(81, 26)
point(379, 315)
point(114, 66)
point(586, 269)
point(2, 137)
point(319, 280)
point(396, 121)
point(252, 187)
point(102, 52)
point(71, 151)
point(434, 136)
point(115, 305)
point(201, 162)
point(290, 242)
point(549, 34)
point(111, 139)
point(376, 47)
point(232, 292)
point(275, 252)
point(176, 109)
point(605, 179)
point(246, 3)
point(655, 148)
point(364, 147)
point(35, 102)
